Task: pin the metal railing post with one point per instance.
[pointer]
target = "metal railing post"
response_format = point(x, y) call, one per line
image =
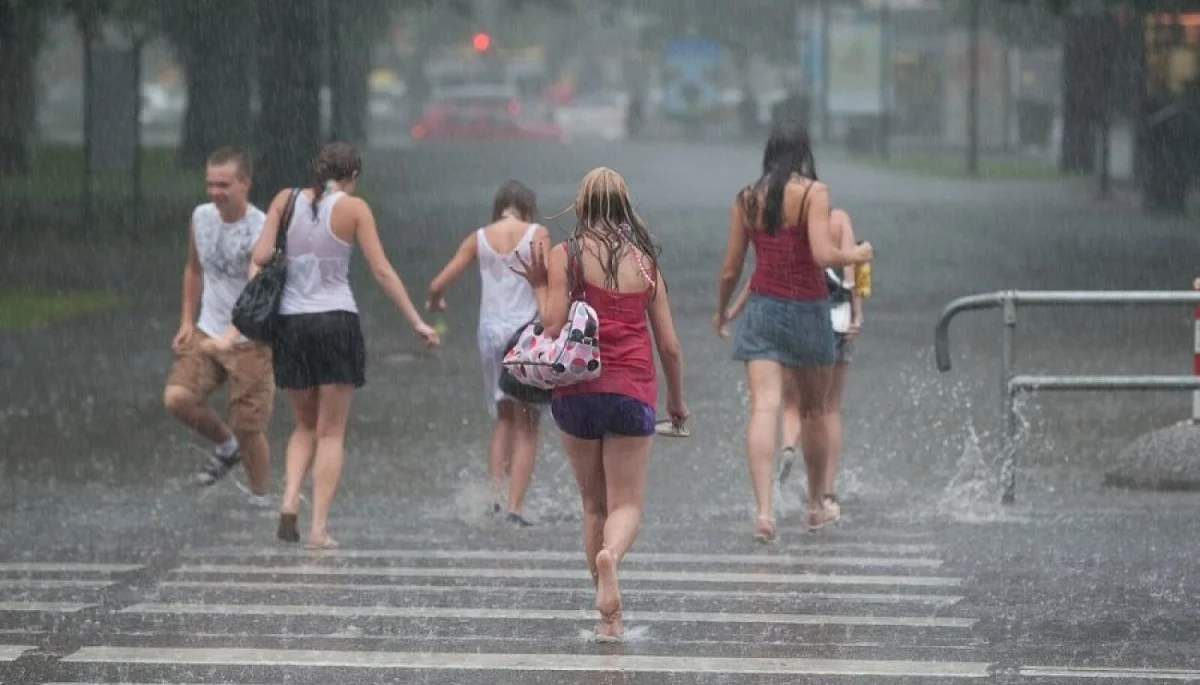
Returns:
point(1009, 420)
point(1012, 384)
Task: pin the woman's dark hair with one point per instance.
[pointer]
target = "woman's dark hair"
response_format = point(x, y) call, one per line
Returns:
point(788, 152)
point(335, 162)
point(518, 196)
point(604, 212)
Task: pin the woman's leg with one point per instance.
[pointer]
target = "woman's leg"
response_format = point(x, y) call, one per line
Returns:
point(764, 379)
point(327, 465)
point(500, 449)
point(585, 458)
point(833, 431)
point(814, 386)
point(626, 461)
point(299, 458)
point(526, 421)
point(790, 427)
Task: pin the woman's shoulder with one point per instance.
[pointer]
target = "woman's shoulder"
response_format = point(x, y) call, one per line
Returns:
point(281, 198)
point(804, 184)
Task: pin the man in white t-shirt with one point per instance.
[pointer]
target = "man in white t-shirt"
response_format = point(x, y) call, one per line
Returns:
point(220, 240)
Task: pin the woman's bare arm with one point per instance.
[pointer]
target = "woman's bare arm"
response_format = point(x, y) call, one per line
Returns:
point(825, 251)
point(554, 298)
point(739, 304)
point(670, 351)
point(840, 220)
point(265, 247)
point(735, 257)
point(367, 235)
point(467, 251)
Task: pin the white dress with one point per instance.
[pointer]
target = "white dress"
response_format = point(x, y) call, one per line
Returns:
point(506, 304)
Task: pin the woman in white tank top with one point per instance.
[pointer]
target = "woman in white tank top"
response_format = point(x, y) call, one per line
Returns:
point(319, 353)
point(506, 305)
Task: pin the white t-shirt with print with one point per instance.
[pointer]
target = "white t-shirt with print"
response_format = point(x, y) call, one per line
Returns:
point(224, 250)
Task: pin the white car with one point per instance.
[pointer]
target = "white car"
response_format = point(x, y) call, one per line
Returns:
point(595, 115)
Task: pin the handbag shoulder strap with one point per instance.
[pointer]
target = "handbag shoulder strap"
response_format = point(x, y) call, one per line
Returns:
point(574, 268)
point(285, 221)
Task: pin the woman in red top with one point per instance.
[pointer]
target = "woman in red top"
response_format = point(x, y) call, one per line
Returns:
point(785, 334)
point(607, 424)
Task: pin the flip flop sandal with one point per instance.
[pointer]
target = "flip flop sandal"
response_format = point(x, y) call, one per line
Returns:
point(668, 428)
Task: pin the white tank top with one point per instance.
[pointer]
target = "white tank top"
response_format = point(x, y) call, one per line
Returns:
point(506, 302)
point(224, 251)
point(318, 262)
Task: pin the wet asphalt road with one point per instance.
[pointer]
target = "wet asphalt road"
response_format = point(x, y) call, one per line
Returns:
point(114, 569)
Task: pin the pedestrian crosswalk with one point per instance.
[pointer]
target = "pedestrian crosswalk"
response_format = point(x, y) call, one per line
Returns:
point(380, 609)
point(867, 607)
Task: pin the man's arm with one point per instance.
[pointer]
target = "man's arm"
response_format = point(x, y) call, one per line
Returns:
point(193, 282)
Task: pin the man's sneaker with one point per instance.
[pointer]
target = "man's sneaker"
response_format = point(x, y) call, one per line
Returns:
point(260, 501)
point(217, 467)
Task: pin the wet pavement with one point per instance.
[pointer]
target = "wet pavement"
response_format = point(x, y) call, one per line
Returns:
point(113, 569)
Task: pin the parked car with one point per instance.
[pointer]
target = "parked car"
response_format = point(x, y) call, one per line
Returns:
point(601, 115)
point(483, 116)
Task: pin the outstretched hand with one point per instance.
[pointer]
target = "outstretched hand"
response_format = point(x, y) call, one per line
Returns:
point(534, 270)
point(435, 303)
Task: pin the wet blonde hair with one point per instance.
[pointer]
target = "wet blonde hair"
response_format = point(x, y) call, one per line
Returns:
point(604, 213)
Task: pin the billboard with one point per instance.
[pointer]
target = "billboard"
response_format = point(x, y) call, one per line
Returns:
point(855, 65)
point(691, 68)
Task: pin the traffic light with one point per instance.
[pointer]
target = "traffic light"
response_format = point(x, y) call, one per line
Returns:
point(481, 42)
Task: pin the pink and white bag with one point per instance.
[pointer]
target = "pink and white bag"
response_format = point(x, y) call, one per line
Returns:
point(573, 356)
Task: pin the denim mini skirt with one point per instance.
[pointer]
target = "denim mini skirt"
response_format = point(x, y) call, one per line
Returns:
point(794, 333)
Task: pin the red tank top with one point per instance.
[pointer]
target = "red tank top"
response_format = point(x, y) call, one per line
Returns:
point(626, 349)
point(784, 266)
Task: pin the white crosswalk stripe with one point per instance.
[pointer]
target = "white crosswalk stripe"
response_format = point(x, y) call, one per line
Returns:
point(445, 608)
point(882, 608)
point(13, 652)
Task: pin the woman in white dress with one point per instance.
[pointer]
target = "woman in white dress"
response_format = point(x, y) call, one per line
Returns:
point(506, 305)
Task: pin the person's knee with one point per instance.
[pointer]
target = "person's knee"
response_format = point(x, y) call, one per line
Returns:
point(330, 430)
point(528, 419)
point(765, 407)
point(595, 507)
point(178, 399)
point(249, 436)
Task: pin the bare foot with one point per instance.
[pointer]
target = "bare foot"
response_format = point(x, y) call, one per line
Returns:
point(815, 519)
point(324, 544)
point(833, 510)
point(608, 595)
point(764, 530)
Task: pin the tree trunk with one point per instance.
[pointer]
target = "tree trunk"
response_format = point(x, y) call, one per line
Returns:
point(353, 68)
point(1087, 54)
point(289, 126)
point(20, 40)
point(214, 39)
point(351, 24)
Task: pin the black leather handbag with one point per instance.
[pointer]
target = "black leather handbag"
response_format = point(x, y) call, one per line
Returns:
point(256, 312)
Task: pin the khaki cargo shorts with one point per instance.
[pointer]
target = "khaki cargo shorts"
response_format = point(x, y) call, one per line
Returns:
point(247, 367)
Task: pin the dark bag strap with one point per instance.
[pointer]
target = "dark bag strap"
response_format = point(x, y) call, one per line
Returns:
point(285, 221)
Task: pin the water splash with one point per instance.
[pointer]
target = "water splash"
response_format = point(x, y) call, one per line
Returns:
point(635, 634)
point(975, 488)
point(472, 502)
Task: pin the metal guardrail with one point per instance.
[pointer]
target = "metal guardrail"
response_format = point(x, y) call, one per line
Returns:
point(1011, 385)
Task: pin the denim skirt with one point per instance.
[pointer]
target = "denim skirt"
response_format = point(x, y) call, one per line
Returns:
point(794, 333)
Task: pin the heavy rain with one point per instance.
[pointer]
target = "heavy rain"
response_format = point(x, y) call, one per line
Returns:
point(599, 341)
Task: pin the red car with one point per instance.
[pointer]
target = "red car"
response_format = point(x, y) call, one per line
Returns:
point(492, 118)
